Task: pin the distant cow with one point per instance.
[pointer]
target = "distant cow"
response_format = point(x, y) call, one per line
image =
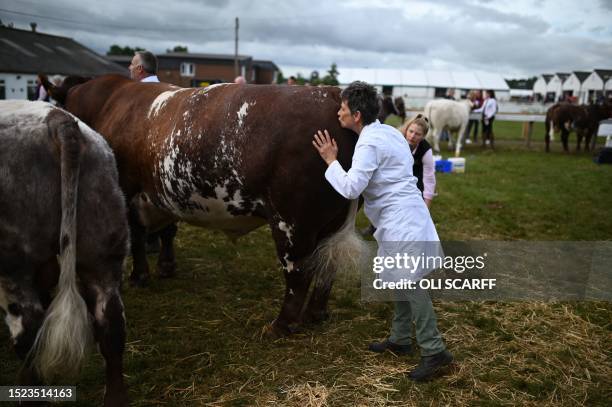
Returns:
point(595, 114)
point(62, 226)
point(584, 119)
point(389, 106)
point(564, 117)
point(450, 115)
point(229, 157)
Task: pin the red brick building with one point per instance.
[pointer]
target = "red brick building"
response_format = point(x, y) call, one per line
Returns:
point(190, 69)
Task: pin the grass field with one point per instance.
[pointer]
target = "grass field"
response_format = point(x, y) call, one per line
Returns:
point(197, 339)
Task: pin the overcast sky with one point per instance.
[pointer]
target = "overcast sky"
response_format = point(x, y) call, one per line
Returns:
point(515, 38)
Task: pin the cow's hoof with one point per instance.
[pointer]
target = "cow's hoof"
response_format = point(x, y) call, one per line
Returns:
point(166, 269)
point(276, 330)
point(139, 281)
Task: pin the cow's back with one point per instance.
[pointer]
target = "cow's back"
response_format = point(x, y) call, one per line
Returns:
point(30, 188)
point(447, 113)
point(218, 150)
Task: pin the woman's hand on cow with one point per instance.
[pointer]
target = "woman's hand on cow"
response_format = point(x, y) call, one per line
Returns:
point(326, 146)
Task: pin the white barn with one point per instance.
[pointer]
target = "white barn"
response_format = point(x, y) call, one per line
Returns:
point(554, 88)
point(598, 84)
point(573, 86)
point(540, 86)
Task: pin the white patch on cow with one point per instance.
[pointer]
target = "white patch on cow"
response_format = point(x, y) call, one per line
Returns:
point(204, 91)
point(101, 301)
point(289, 264)
point(16, 110)
point(14, 324)
point(215, 214)
point(27, 114)
point(284, 227)
point(242, 113)
point(291, 291)
point(161, 100)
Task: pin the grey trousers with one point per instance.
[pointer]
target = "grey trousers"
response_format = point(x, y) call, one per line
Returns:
point(417, 309)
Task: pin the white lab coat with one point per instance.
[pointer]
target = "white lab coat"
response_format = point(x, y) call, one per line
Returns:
point(382, 172)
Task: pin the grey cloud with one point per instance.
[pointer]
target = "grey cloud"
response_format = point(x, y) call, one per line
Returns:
point(317, 33)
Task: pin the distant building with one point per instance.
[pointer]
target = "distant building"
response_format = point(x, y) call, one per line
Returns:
point(417, 87)
point(598, 85)
point(540, 87)
point(572, 87)
point(192, 70)
point(554, 88)
point(26, 53)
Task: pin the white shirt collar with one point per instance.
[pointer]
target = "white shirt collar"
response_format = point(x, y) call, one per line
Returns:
point(152, 78)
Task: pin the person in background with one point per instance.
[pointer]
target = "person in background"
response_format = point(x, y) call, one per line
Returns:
point(292, 81)
point(239, 80)
point(41, 92)
point(143, 67)
point(476, 98)
point(489, 110)
point(381, 172)
point(424, 168)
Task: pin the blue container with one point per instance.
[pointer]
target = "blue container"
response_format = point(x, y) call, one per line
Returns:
point(444, 166)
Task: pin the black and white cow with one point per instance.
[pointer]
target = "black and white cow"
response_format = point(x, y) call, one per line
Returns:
point(62, 229)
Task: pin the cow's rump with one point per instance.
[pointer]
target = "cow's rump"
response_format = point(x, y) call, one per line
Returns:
point(62, 223)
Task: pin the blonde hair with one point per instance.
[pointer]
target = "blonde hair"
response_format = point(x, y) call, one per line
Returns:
point(419, 119)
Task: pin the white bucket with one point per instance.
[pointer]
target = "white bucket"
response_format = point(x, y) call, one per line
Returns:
point(458, 164)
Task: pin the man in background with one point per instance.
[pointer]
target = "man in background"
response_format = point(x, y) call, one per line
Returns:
point(143, 67)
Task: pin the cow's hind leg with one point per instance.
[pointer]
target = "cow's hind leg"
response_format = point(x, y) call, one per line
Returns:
point(292, 252)
point(340, 251)
point(565, 139)
point(138, 235)
point(166, 264)
point(105, 304)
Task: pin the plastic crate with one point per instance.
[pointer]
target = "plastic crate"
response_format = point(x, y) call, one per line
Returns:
point(444, 166)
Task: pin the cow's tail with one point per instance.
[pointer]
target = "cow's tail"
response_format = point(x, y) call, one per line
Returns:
point(551, 130)
point(65, 335)
point(343, 251)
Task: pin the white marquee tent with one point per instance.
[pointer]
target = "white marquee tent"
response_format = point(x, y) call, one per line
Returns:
point(416, 86)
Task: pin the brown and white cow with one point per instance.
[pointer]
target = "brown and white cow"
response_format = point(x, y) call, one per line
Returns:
point(229, 157)
point(62, 224)
point(565, 117)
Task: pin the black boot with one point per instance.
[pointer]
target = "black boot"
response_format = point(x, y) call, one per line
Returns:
point(430, 365)
point(399, 350)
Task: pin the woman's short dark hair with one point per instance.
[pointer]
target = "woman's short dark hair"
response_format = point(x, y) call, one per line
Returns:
point(491, 93)
point(362, 97)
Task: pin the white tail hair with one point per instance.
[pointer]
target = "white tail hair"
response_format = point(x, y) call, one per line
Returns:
point(65, 335)
point(551, 131)
point(343, 251)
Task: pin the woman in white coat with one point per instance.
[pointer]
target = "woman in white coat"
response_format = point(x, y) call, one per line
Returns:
point(381, 171)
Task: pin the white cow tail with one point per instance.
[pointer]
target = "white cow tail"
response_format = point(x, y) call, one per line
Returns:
point(343, 251)
point(551, 131)
point(65, 335)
